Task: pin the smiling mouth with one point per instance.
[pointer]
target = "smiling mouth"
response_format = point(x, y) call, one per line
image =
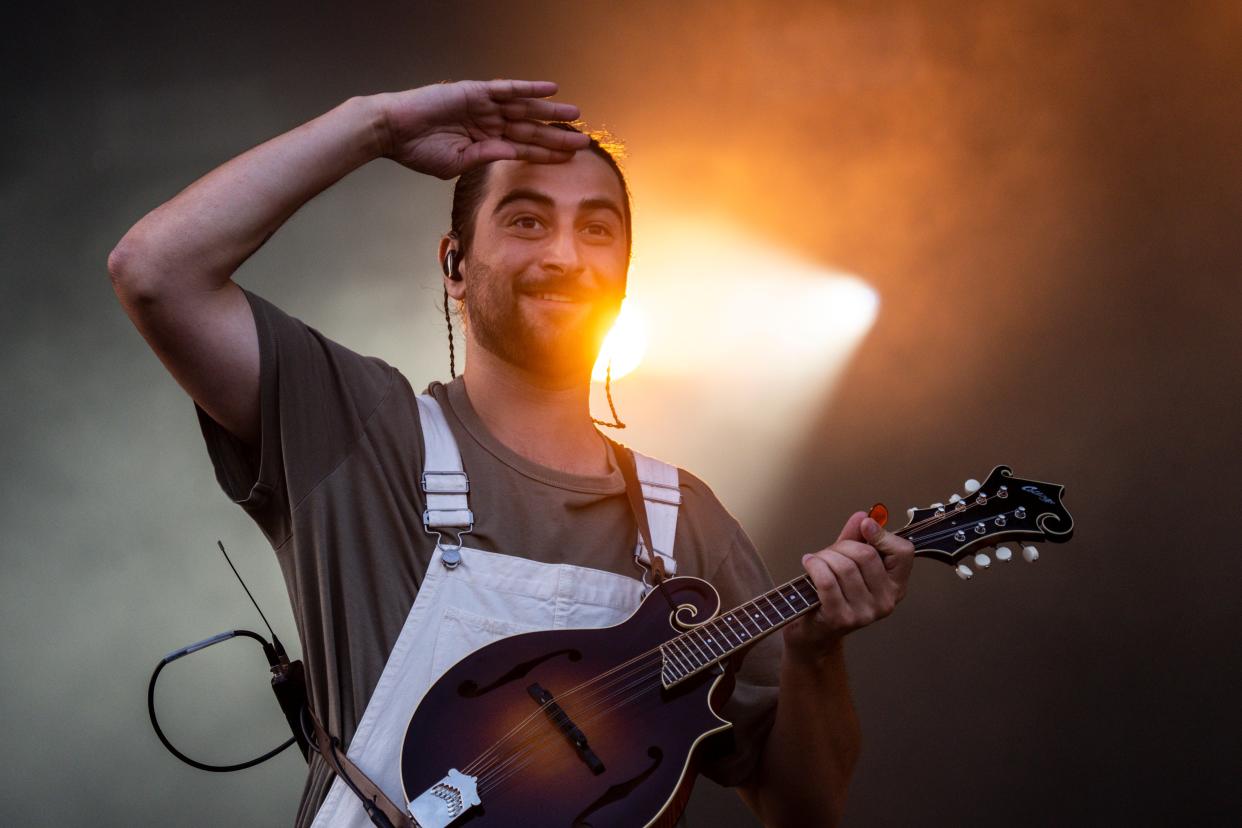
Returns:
point(563, 298)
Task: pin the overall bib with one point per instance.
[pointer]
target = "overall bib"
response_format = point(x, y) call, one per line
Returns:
point(471, 597)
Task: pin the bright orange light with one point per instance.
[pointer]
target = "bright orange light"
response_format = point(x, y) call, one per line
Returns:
point(625, 344)
point(744, 340)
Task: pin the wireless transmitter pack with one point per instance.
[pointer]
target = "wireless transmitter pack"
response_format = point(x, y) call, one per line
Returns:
point(288, 682)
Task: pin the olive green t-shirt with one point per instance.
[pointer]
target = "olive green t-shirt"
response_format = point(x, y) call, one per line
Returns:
point(333, 485)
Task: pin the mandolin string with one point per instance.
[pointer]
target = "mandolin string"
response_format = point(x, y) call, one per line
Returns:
point(578, 711)
point(582, 716)
point(499, 776)
point(541, 709)
point(534, 716)
point(603, 694)
point(605, 688)
point(588, 684)
point(932, 520)
point(572, 691)
point(502, 774)
point(480, 764)
point(945, 533)
point(582, 719)
point(567, 694)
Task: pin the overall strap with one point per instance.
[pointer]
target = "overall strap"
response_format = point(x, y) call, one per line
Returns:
point(444, 482)
point(660, 493)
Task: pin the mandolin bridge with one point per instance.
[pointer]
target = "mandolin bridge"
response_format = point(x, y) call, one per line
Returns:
point(563, 723)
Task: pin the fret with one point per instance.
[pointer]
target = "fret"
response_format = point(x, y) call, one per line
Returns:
point(716, 638)
point(679, 656)
point(670, 664)
point(707, 641)
point(775, 607)
point(712, 634)
point(722, 631)
point(763, 615)
point(752, 615)
point(801, 597)
point(741, 639)
point(690, 638)
point(781, 592)
point(806, 582)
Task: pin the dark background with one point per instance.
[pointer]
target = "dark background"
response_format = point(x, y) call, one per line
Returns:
point(1046, 197)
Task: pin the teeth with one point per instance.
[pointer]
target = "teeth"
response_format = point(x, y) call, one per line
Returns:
point(554, 297)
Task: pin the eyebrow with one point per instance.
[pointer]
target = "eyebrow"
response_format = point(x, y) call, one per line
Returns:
point(526, 194)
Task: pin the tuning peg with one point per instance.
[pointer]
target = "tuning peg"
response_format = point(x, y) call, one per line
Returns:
point(954, 498)
point(1030, 554)
point(910, 513)
point(971, 486)
point(937, 505)
point(1004, 554)
point(963, 572)
point(982, 561)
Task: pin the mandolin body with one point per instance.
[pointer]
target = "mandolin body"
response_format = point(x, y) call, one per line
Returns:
point(483, 717)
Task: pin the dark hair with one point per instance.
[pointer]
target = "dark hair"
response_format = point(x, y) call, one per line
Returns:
point(468, 191)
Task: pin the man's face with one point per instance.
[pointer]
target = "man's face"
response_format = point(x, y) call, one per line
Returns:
point(545, 272)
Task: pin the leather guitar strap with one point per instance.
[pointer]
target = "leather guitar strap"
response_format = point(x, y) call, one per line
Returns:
point(383, 811)
point(634, 491)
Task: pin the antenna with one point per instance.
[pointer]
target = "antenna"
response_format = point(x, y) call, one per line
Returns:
point(243, 583)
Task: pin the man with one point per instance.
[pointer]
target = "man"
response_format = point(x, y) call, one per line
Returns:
point(322, 447)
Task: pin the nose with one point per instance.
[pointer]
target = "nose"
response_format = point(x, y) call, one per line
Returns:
point(561, 255)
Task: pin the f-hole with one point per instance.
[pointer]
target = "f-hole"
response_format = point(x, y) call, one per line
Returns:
point(470, 689)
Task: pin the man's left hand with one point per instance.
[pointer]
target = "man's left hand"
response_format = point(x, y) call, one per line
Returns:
point(860, 579)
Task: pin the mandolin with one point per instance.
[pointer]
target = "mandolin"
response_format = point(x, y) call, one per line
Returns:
point(599, 727)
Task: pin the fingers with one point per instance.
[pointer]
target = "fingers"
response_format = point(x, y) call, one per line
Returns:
point(533, 108)
point(836, 576)
point(869, 564)
point(543, 135)
point(854, 586)
point(498, 149)
point(506, 90)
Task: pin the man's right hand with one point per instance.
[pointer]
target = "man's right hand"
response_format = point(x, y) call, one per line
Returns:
point(449, 128)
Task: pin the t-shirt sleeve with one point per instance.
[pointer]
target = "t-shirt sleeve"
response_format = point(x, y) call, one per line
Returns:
point(732, 758)
point(315, 397)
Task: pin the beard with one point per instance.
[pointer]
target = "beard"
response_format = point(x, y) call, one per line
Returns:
point(553, 343)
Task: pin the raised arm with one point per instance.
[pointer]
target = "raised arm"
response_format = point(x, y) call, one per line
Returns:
point(173, 270)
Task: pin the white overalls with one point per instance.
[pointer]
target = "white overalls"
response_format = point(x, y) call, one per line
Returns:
point(470, 597)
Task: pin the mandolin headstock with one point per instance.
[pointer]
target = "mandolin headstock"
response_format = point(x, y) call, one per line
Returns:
point(1002, 509)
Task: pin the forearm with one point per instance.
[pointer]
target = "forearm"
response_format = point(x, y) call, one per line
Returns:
point(810, 753)
point(196, 241)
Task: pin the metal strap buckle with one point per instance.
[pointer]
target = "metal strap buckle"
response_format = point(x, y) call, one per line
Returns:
point(459, 488)
point(427, 518)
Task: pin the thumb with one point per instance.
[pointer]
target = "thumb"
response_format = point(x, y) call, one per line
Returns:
point(895, 550)
point(879, 537)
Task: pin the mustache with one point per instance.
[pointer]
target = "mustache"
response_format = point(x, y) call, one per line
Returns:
point(573, 286)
